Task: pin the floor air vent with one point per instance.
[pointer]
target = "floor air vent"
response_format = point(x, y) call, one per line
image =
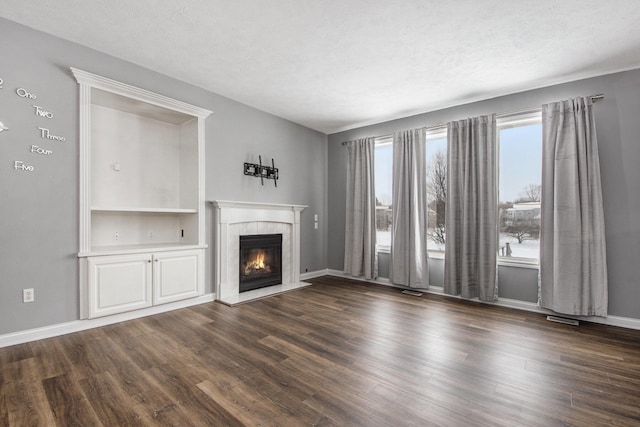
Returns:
point(571, 322)
point(412, 293)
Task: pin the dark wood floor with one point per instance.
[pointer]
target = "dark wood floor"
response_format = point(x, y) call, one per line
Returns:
point(337, 353)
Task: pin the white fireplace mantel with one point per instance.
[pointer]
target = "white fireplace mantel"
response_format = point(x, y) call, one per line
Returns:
point(233, 219)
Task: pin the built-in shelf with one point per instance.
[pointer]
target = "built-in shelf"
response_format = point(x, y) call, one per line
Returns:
point(142, 231)
point(135, 249)
point(143, 210)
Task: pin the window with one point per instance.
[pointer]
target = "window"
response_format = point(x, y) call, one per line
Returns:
point(520, 178)
point(519, 138)
point(383, 179)
point(436, 150)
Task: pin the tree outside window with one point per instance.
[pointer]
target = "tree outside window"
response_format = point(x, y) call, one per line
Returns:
point(436, 189)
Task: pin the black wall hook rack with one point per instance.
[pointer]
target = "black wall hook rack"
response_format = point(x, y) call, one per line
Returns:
point(262, 171)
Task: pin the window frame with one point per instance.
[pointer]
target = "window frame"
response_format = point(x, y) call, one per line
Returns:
point(509, 121)
point(503, 121)
point(383, 141)
point(436, 132)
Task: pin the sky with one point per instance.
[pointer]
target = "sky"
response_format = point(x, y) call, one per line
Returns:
point(520, 162)
point(383, 163)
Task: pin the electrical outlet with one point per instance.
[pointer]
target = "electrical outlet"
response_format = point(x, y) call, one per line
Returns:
point(116, 235)
point(28, 295)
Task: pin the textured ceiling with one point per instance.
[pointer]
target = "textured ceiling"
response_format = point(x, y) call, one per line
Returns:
point(334, 65)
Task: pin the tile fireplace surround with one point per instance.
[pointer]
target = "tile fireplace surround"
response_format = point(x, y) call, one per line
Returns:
point(234, 219)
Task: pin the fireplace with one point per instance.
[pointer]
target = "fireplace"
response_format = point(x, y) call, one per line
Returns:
point(260, 261)
point(233, 219)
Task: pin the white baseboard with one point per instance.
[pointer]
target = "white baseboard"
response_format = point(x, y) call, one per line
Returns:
point(311, 274)
point(379, 280)
point(82, 325)
point(50, 331)
point(623, 322)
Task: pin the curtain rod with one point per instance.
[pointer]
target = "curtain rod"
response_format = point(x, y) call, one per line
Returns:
point(594, 98)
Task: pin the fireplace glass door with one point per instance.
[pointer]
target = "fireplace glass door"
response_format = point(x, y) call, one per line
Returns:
point(260, 261)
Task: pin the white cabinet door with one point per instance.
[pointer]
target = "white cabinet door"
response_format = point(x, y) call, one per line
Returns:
point(119, 283)
point(177, 275)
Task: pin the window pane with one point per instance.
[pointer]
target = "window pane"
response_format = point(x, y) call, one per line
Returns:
point(383, 164)
point(436, 191)
point(520, 184)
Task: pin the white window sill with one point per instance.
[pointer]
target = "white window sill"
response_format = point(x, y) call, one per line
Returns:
point(518, 262)
point(502, 261)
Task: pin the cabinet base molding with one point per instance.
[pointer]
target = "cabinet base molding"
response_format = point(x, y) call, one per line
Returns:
point(51, 331)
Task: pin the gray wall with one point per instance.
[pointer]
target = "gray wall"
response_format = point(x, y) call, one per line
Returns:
point(618, 127)
point(39, 210)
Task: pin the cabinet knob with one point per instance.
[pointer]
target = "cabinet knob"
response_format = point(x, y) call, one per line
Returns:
point(148, 260)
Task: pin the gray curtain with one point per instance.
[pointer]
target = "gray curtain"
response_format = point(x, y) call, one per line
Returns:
point(471, 243)
point(360, 227)
point(409, 222)
point(573, 267)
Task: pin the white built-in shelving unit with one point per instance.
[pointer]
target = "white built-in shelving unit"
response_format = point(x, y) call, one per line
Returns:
point(142, 218)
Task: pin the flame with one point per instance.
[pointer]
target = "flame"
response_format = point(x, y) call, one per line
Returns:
point(259, 261)
point(257, 264)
